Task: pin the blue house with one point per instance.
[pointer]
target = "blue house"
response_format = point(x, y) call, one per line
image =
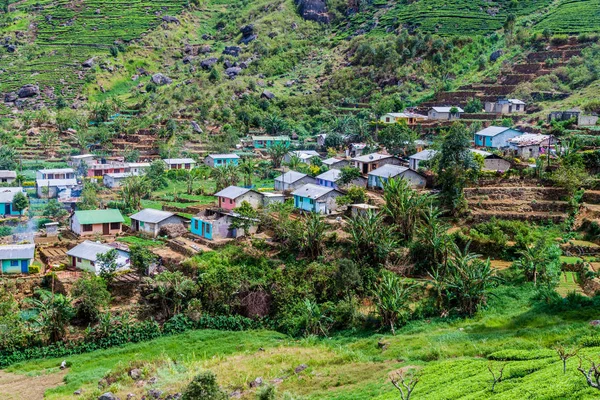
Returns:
point(331, 177)
point(215, 225)
point(265, 142)
point(220, 160)
point(495, 137)
point(7, 195)
point(17, 258)
point(315, 198)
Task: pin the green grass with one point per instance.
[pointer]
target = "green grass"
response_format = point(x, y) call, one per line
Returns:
point(141, 241)
point(452, 357)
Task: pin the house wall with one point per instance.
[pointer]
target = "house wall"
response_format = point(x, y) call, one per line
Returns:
point(83, 264)
point(255, 199)
point(323, 205)
point(220, 162)
point(22, 266)
point(265, 144)
point(496, 164)
point(304, 203)
point(7, 180)
point(180, 166)
point(442, 115)
point(587, 120)
point(415, 179)
point(111, 182)
point(11, 211)
point(365, 168)
point(202, 228)
point(96, 228)
point(52, 191)
point(326, 183)
point(284, 186)
point(498, 141)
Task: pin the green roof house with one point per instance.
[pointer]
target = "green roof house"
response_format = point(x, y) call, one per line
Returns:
point(93, 222)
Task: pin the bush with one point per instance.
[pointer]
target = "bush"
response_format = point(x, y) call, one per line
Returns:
point(204, 387)
point(34, 268)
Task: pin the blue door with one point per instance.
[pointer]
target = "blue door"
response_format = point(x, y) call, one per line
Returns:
point(24, 267)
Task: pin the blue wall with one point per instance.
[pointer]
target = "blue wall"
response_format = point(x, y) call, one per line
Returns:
point(15, 266)
point(323, 182)
point(498, 141)
point(304, 203)
point(201, 228)
point(12, 212)
point(219, 162)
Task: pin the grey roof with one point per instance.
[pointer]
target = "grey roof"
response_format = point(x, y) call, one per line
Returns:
point(230, 155)
point(516, 101)
point(406, 114)
point(56, 182)
point(81, 156)
point(89, 250)
point(139, 164)
point(57, 171)
point(388, 171)
point(179, 161)
point(7, 194)
point(332, 160)
point(152, 216)
point(492, 131)
point(372, 157)
point(17, 252)
point(424, 155)
point(232, 192)
point(119, 175)
point(7, 174)
point(312, 191)
point(290, 177)
point(446, 109)
point(304, 154)
point(332, 175)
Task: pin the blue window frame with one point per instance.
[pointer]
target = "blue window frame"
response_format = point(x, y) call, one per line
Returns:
point(14, 263)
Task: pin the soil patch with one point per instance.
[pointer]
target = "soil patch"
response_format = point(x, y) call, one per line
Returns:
point(20, 387)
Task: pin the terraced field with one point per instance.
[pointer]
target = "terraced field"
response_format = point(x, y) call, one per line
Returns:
point(573, 16)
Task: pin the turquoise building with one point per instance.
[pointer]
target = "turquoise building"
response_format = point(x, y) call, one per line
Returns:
point(265, 142)
point(7, 195)
point(17, 258)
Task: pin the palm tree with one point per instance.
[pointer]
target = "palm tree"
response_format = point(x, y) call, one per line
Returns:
point(392, 299)
point(192, 177)
point(404, 205)
point(220, 176)
point(247, 168)
point(274, 124)
point(134, 189)
point(54, 313)
point(372, 240)
point(233, 174)
point(314, 234)
point(277, 151)
point(294, 162)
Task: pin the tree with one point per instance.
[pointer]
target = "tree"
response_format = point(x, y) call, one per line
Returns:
point(90, 297)
point(170, 290)
point(232, 172)
point(295, 162)
point(156, 174)
point(191, 178)
point(496, 377)
point(354, 195)
point(8, 158)
point(247, 168)
point(277, 151)
point(540, 262)
point(405, 381)
point(89, 198)
point(392, 299)
point(53, 209)
point(404, 205)
point(455, 166)
point(13, 330)
point(54, 312)
point(107, 265)
point(334, 141)
point(141, 258)
point(315, 228)
point(134, 188)
point(372, 241)
point(275, 125)
point(20, 202)
point(430, 252)
point(570, 177)
point(348, 175)
point(398, 139)
point(474, 105)
point(592, 375)
point(564, 354)
point(248, 217)
point(48, 140)
point(204, 387)
point(221, 177)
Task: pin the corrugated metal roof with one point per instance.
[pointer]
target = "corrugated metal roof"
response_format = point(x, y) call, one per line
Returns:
point(17, 252)
point(290, 177)
point(230, 155)
point(529, 139)
point(152, 216)
point(7, 194)
point(179, 161)
point(492, 131)
point(56, 182)
point(388, 171)
point(516, 101)
point(423, 155)
point(312, 191)
point(86, 217)
point(119, 175)
point(407, 115)
point(371, 157)
point(483, 153)
point(139, 164)
point(446, 109)
point(232, 192)
point(57, 171)
point(332, 160)
point(7, 174)
point(331, 176)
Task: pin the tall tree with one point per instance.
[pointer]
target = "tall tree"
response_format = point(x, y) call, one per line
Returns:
point(398, 139)
point(134, 189)
point(247, 168)
point(193, 176)
point(277, 151)
point(404, 205)
point(455, 167)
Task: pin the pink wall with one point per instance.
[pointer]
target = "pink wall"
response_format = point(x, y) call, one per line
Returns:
point(97, 229)
point(227, 204)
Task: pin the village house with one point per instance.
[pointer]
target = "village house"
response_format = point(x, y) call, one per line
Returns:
point(381, 175)
point(355, 149)
point(138, 168)
point(149, 221)
point(362, 209)
point(179, 163)
point(292, 180)
point(98, 168)
point(216, 225)
point(496, 137)
point(220, 160)
point(114, 181)
point(505, 106)
point(409, 117)
point(531, 145)
point(337, 163)
point(491, 161)
point(7, 176)
point(371, 162)
point(7, 196)
point(415, 159)
point(80, 159)
point(96, 222)
point(265, 142)
point(580, 118)
point(272, 198)
point(331, 177)
point(304, 155)
point(16, 258)
point(315, 198)
point(52, 183)
point(445, 113)
point(84, 256)
point(233, 196)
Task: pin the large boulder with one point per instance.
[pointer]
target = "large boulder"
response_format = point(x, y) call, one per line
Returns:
point(28, 91)
point(160, 79)
point(11, 48)
point(496, 55)
point(248, 34)
point(233, 72)
point(204, 49)
point(170, 20)
point(108, 396)
point(313, 10)
point(195, 127)
point(267, 95)
point(10, 97)
point(208, 63)
point(88, 63)
point(232, 51)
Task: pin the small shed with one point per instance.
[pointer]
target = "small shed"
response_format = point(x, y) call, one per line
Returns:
point(84, 256)
point(115, 180)
point(292, 180)
point(381, 175)
point(16, 258)
point(150, 221)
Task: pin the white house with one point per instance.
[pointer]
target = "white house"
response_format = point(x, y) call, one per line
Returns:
point(415, 159)
point(149, 221)
point(180, 163)
point(496, 137)
point(85, 256)
point(371, 162)
point(292, 180)
point(505, 106)
point(51, 182)
point(304, 155)
point(138, 168)
point(113, 181)
point(409, 117)
point(532, 145)
point(7, 176)
point(444, 113)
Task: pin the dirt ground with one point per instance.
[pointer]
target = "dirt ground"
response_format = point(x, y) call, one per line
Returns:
point(23, 387)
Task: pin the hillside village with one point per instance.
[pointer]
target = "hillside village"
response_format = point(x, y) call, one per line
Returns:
point(299, 200)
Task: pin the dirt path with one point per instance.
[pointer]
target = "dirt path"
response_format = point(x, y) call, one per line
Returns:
point(23, 387)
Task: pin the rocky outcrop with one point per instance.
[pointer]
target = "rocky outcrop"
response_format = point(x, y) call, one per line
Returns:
point(313, 10)
point(248, 34)
point(233, 51)
point(28, 91)
point(208, 63)
point(160, 80)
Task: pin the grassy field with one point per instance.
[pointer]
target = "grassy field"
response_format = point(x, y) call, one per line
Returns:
point(452, 358)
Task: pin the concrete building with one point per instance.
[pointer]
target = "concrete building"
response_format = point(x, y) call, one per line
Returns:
point(444, 113)
point(96, 222)
point(371, 162)
point(409, 117)
point(216, 225)
point(496, 137)
point(52, 183)
point(7, 176)
point(381, 175)
point(331, 177)
point(315, 198)
point(337, 163)
point(531, 145)
point(233, 196)
point(180, 163)
point(265, 142)
point(84, 256)
point(149, 221)
point(492, 162)
point(220, 160)
point(505, 106)
point(114, 181)
point(292, 180)
point(304, 155)
point(416, 159)
point(17, 258)
point(7, 197)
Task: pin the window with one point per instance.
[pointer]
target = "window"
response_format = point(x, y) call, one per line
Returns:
point(196, 224)
point(208, 229)
point(230, 201)
point(115, 225)
point(87, 227)
point(78, 259)
point(14, 263)
point(387, 119)
point(311, 201)
point(142, 223)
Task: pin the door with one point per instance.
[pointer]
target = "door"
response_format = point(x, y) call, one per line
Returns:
point(73, 262)
point(24, 266)
point(7, 208)
point(365, 168)
point(106, 229)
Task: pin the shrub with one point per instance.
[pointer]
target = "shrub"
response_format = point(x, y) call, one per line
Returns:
point(204, 387)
